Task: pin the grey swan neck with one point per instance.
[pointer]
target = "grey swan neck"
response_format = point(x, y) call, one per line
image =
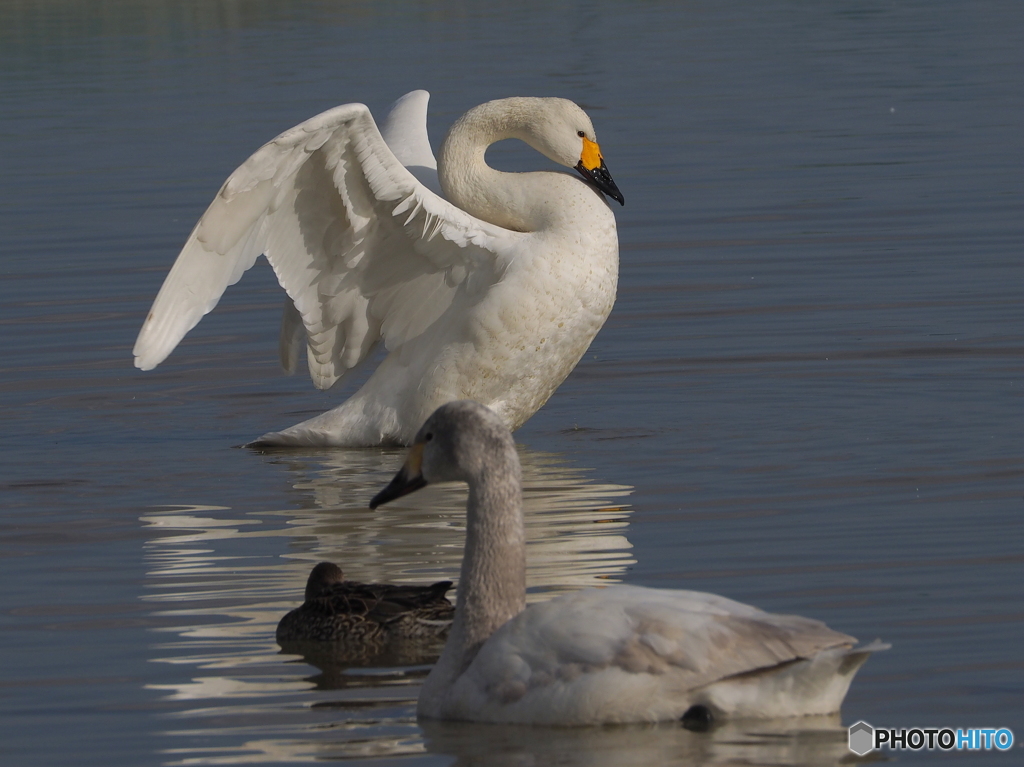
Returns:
point(492, 583)
point(515, 201)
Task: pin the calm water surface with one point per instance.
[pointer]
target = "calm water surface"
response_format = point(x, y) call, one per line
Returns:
point(808, 396)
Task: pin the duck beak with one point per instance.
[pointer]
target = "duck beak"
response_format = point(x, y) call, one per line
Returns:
point(409, 478)
point(591, 166)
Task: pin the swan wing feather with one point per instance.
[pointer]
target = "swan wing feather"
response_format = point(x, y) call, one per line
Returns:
point(405, 131)
point(364, 250)
point(588, 652)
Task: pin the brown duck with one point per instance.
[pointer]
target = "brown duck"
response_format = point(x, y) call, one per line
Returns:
point(337, 610)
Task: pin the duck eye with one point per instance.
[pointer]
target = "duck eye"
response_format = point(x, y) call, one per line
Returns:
point(581, 134)
point(428, 436)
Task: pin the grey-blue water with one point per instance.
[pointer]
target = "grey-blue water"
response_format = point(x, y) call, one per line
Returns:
point(808, 396)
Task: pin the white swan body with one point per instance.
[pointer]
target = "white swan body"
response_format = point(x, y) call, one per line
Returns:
point(494, 295)
point(618, 654)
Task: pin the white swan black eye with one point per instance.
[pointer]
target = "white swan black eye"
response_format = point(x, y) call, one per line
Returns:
point(581, 134)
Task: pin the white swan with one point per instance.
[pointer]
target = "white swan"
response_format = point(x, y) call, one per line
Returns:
point(617, 654)
point(494, 295)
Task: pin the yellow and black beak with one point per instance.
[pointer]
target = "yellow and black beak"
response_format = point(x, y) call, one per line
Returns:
point(409, 478)
point(591, 166)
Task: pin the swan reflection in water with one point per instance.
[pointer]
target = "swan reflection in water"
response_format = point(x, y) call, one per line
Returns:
point(222, 590)
point(813, 740)
point(575, 527)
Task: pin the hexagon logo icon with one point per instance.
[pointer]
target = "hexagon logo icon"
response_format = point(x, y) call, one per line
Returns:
point(862, 738)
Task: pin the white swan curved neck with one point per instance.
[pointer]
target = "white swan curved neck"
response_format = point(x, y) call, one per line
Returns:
point(517, 201)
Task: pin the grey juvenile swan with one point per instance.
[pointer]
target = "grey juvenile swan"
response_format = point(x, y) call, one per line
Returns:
point(606, 655)
point(493, 291)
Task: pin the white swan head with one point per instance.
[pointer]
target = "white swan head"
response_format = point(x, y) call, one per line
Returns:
point(557, 128)
point(564, 133)
point(458, 443)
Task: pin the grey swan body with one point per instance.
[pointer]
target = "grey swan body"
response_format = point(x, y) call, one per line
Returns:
point(598, 656)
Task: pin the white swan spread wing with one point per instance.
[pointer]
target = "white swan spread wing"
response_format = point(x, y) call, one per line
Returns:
point(364, 250)
point(405, 131)
point(367, 250)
